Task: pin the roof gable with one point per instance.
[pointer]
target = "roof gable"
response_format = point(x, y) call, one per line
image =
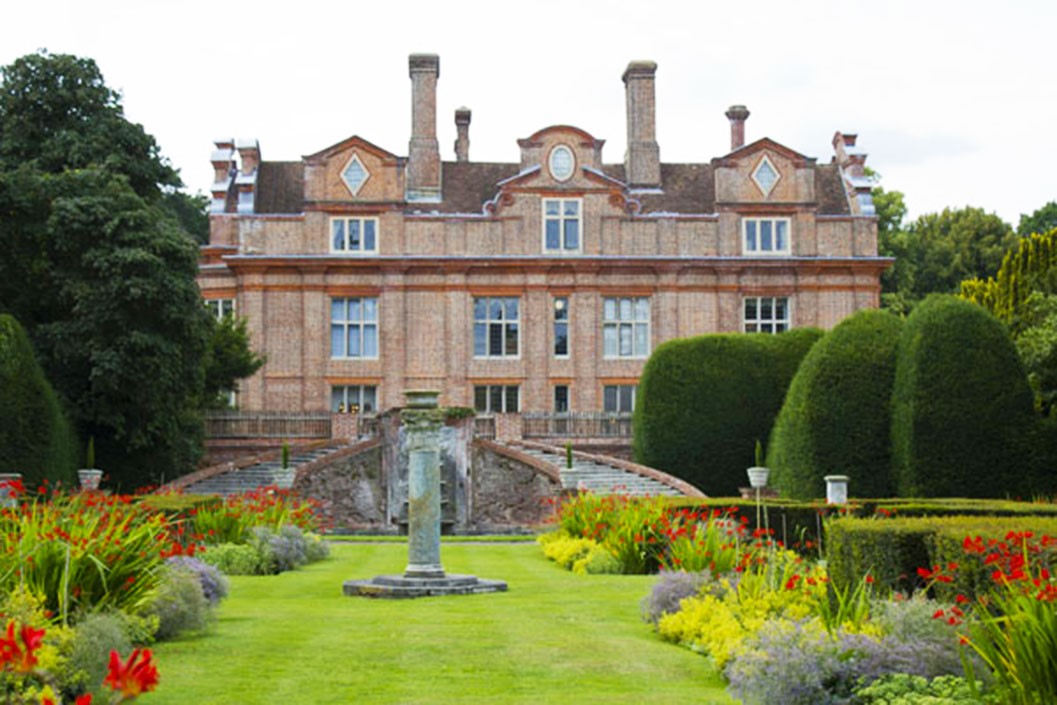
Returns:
point(356, 142)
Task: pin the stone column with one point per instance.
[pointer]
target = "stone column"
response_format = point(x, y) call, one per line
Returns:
point(422, 421)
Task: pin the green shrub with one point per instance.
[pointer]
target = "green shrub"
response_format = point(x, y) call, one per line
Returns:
point(179, 603)
point(176, 504)
point(598, 561)
point(904, 689)
point(93, 639)
point(961, 405)
point(703, 403)
point(837, 416)
point(234, 559)
point(35, 437)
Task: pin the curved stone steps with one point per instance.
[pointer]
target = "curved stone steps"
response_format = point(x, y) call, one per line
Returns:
point(265, 474)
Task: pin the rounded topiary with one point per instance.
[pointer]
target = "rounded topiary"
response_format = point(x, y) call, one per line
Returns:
point(961, 405)
point(703, 402)
point(35, 437)
point(837, 414)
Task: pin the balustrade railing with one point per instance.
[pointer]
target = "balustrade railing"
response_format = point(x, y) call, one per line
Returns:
point(267, 424)
point(577, 424)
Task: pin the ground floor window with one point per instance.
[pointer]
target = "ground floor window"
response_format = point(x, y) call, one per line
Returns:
point(561, 398)
point(497, 398)
point(618, 398)
point(766, 314)
point(354, 398)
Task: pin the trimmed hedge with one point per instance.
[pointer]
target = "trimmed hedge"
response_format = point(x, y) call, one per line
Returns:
point(837, 415)
point(893, 549)
point(961, 405)
point(703, 403)
point(35, 437)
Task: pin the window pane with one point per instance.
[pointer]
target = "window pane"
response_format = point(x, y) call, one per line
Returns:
point(552, 207)
point(750, 235)
point(495, 309)
point(480, 398)
point(480, 339)
point(561, 309)
point(625, 339)
point(511, 309)
point(337, 309)
point(766, 328)
point(561, 339)
point(572, 208)
point(370, 309)
point(495, 398)
point(552, 233)
point(572, 234)
point(625, 309)
point(609, 340)
point(779, 328)
point(765, 236)
point(511, 339)
point(780, 308)
point(370, 401)
point(370, 341)
point(766, 309)
point(780, 240)
point(337, 399)
point(750, 309)
point(354, 234)
point(368, 235)
point(609, 307)
point(626, 395)
point(642, 339)
point(609, 398)
point(354, 309)
point(480, 307)
point(751, 328)
point(561, 398)
point(337, 229)
point(642, 309)
point(511, 400)
point(337, 341)
point(495, 338)
point(354, 341)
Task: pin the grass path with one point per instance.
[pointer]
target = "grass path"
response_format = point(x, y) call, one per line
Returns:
point(553, 638)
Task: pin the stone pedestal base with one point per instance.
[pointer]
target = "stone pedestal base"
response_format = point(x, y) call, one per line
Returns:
point(396, 586)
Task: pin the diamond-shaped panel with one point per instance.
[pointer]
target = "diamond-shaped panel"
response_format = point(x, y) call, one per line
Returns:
point(355, 175)
point(765, 176)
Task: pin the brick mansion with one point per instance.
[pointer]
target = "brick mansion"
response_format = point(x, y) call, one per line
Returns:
point(541, 284)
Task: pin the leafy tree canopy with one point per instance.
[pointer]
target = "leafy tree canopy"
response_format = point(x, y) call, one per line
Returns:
point(1041, 221)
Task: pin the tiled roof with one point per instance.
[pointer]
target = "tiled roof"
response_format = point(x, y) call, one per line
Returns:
point(686, 188)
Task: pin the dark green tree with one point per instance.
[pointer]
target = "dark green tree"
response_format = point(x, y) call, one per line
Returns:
point(229, 359)
point(1041, 221)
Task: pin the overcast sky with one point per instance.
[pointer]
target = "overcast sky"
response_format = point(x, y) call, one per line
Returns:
point(955, 101)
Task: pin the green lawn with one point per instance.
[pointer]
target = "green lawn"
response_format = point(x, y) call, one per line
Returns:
point(554, 637)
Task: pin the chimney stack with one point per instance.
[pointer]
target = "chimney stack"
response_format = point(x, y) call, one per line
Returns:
point(642, 160)
point(737, 114)
point(462, 140)
point(423, 164)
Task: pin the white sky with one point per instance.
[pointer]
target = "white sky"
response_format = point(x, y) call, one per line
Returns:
point(955, 101)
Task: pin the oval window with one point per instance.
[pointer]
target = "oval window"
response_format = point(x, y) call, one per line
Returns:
point(562, 162)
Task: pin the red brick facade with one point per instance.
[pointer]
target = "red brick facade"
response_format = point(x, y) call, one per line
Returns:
point(636, 264)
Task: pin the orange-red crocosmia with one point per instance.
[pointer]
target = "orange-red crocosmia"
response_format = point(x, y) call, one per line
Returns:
point(137, 675)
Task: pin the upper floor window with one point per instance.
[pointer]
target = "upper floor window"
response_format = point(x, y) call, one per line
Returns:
point(354, 398)
point(495, 326)
point(561, 326)
point(561, 224)
point(766, 314)
point(219, 308)
point(562, 163)
point(497, 398)
point(355, 236)
point(354, 328)
point(765, 236)
point(626, 327)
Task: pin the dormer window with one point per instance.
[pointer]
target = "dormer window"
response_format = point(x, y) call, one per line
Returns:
point(561, 225)
point(765, 176)
point(562, 163)
point(354, 236)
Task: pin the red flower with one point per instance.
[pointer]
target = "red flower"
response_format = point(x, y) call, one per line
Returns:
point(137, 675)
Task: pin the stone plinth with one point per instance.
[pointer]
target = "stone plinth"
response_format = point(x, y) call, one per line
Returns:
point(397, 586)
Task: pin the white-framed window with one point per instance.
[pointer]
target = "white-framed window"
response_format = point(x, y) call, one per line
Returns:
point(562, 163)
point(354, 398)
point(561, 326)
point(766, 314)
point(765, 236)
point(354, 236)
point(561, 398)
point(561, 224)
point(618, 398)
point(221, 308)
point(496, 324)
point(626, 326)
point(354, 328)
point(497, 398)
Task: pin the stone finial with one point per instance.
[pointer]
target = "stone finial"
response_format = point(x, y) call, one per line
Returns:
point(462, 140)
point(642, 160)
point(737, 114)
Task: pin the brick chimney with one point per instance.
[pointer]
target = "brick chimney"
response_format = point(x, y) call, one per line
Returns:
point(224, 168)
point(246, 180)
point(642, 161)
point(462, 140)
point(423, 164)
point(737, 114)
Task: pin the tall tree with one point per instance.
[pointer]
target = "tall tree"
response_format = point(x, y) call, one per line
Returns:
point(100, 270)
point(1041, 221)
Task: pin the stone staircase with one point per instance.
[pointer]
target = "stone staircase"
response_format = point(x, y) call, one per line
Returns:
point(597, 476)
point(264, 474)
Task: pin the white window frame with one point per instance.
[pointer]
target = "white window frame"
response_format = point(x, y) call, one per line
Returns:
point(505, 326)
point(562, 219)
point(361, 222)
point(504, 392)
point(216, 308)
point(756, 248)
point(352, 394)
point(556, 322)
point(364, 324)
point(617, 388)
point(634, 325)
point(568, 397)
point(558, 149)
point(774, 322)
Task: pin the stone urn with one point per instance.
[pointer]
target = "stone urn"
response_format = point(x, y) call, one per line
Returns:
point(758, 476)
point(89, 478)
point(10, 482)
